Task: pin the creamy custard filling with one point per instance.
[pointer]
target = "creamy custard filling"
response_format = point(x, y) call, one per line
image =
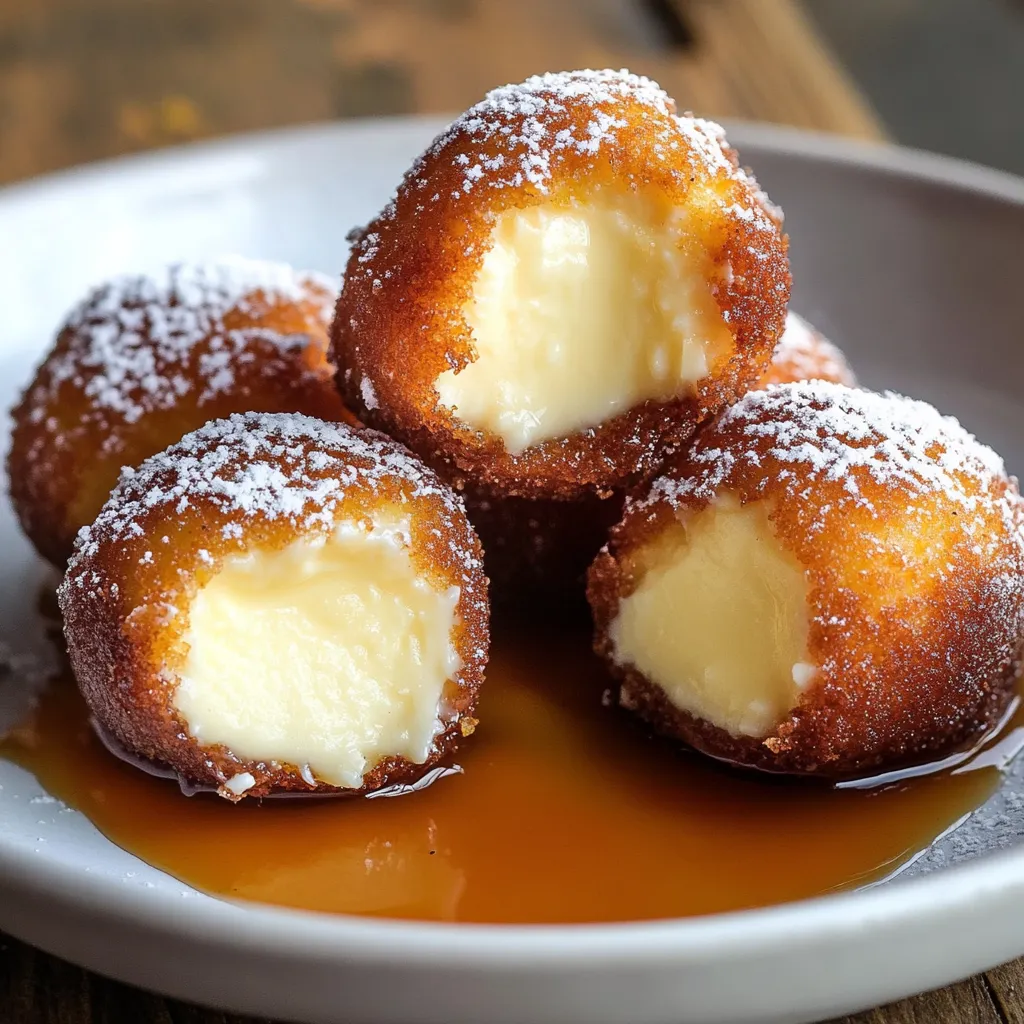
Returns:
point(329, 654)
point(719, 620)
point(580, 312)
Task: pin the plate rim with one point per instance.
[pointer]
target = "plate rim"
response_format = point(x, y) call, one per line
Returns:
point(930, 898)
point(880, 155)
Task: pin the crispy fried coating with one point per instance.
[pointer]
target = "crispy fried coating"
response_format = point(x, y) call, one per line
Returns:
point(561, 139)
point(908, 533)
point(537, 550)
point(144, 360)
point(804, 353)
point(251, 485)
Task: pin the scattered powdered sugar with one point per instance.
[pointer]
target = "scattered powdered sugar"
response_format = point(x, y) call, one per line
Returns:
point(511, 124)
point(555, 89)
point(515, 139)
point(269, 465)
point(808, 354)
point(828, 432)
point(369, 394)
point(517, 133)
point(900, 473)
point(131, 341)
point(511, 129)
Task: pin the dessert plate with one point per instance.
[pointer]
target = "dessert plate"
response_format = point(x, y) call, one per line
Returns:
point(912, 263)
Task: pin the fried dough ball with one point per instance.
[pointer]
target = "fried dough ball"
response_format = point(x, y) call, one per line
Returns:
point(803, 353)
point(537, 550)
point(144, 360)
point(565, 284)
point(276, 603)
point(830, 582)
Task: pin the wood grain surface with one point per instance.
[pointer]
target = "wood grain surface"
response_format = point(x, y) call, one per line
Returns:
point(83, 81)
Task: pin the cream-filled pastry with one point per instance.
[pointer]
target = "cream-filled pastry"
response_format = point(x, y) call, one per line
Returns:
point(276, 603)
point(142, 360)
point(719, 617)
point(566, 283)
point(829, 581)
point(581, 311)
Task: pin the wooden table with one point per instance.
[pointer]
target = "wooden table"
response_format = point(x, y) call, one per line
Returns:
point(82, 81)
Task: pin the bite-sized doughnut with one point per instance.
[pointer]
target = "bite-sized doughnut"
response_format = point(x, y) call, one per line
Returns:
point(829, 582)
point(565, 284)
point(803, 353)
point(276, 603)
point(145, 359)
point(537, 550)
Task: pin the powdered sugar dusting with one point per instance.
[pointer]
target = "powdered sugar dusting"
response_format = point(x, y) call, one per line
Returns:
point(268, 465)
point(830, 433)
point(518, 134)
point(516, 141)
point(511, 124)
point(368, 393)
point(808, 355)
point(130, 342)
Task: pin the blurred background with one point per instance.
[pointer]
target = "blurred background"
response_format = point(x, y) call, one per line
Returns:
point(82, 80)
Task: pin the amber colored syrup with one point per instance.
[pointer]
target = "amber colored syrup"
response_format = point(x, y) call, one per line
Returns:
point(567, 812)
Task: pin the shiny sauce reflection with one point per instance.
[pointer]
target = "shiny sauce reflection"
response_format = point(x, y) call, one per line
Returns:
point(567, 812)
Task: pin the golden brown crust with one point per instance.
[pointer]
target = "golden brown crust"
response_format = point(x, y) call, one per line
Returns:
point(400, 323)
point(910, 535)
point(804, 353)
point(245, 483)
point(142, 361)
point(537, 550)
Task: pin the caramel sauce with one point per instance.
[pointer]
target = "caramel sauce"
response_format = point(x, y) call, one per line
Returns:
point(567, 812)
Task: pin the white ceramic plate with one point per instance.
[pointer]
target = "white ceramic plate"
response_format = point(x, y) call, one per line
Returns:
point(912, 263)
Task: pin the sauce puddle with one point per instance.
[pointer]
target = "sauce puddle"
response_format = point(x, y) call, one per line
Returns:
point(567, 813)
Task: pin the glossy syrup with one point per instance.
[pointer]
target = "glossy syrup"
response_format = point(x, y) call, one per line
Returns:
point(567, 812)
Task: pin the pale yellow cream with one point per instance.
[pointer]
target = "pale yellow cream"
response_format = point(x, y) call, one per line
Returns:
point(720, 620)
point(330, 655)
point(581, 312)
